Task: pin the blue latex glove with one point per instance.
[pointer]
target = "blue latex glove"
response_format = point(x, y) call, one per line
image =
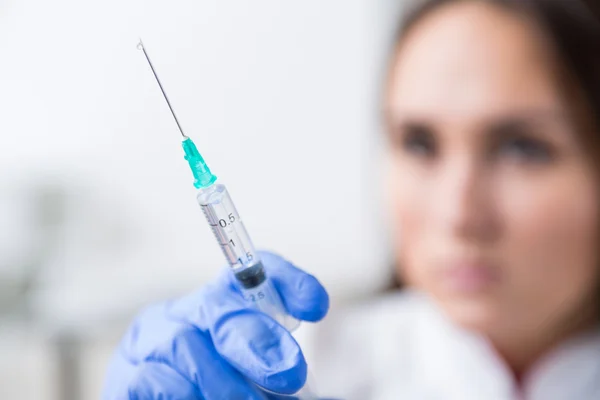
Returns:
point(210, 345)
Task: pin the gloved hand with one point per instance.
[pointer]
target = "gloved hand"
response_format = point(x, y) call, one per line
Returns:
point(211, 346)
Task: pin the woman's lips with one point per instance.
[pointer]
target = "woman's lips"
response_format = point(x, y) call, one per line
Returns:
point(469, 277)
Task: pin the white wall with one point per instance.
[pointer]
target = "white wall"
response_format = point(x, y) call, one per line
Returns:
point(280, 97)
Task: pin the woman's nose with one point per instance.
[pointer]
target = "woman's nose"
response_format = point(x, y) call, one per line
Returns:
point(465, 201)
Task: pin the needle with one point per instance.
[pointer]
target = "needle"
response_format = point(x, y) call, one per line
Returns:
point(140, 46)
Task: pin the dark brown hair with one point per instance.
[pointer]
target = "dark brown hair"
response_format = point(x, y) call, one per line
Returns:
point(573, 29)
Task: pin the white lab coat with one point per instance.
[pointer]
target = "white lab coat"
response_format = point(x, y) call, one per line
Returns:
point(403, 347)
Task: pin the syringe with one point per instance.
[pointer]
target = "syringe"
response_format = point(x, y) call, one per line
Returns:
point(229, 230)
point(231, 234)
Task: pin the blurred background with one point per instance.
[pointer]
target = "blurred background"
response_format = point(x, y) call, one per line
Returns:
point(97, 209)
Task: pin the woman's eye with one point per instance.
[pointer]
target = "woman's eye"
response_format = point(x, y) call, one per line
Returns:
point(418, 141)
point(525, 149)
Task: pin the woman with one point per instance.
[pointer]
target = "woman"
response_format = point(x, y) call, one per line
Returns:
point(492, 112)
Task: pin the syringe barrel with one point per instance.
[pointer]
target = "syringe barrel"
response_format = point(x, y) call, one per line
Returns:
point(231, 235)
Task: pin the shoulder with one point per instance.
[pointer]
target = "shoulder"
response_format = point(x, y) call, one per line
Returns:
point(401, 304)
point(394, 313)
point(361, 343)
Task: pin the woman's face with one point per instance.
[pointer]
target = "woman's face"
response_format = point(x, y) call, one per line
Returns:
point(494, 197)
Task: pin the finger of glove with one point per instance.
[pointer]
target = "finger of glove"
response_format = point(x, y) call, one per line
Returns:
point(151, 328)
point(149, 331)
point(120, 372)
point(252, 342)
point(303, 295)
point(192, 354)
point(261, 349)
point(154, 381)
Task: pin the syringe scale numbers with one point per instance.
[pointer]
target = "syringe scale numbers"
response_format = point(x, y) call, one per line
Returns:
point(225, 222)
point(232, 236)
